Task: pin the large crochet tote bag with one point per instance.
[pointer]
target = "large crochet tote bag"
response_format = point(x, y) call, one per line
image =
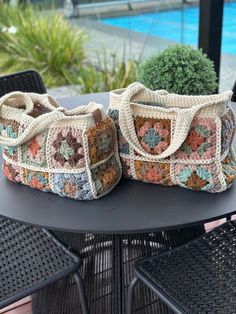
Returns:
point(71, 153)
point(173, 139)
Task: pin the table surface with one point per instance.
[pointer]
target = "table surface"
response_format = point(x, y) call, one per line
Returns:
point(132, 207)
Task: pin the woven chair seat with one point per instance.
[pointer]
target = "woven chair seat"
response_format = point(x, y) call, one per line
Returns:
point(199, 277)
point(30, 259)
point(27, 81)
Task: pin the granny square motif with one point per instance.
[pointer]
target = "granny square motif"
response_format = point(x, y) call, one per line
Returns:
point(174, 139)
point(73, 153)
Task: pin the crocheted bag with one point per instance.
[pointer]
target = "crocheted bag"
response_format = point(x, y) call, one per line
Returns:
point(72, 153)
point(171, 139)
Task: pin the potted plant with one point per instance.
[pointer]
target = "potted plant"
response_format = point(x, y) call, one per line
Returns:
point(179, 69)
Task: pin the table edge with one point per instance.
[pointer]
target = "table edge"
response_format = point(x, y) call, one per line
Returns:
point(123, 232)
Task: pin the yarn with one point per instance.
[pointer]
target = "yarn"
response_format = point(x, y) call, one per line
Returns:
point(122, 143)
point(229, 168)
point(106, 175)
point(200, 143)
point(152, 172)
point(66, 149)
point(172, 139)
point(71, 153)
point(153, 134)
point(126, 170)
point(36, 179)
point(34, 152)
point(196, 177)
point(227, 131)
point(9, 128)
point(101, 139)
point(12, 172)
point(75, 186)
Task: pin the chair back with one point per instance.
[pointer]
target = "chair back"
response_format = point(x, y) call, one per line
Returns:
point(27, 81)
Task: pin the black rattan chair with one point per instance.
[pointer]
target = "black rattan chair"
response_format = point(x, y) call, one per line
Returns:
point(27, 81)
point(31, 259)
point(198, 277)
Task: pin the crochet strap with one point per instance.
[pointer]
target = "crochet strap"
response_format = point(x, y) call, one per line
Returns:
point(22, 100)
point(183, 120)
point(39, 124)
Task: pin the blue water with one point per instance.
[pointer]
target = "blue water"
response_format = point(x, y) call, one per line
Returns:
point(180, 25)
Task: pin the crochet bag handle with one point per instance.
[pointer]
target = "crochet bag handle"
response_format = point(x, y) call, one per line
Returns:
point(40, 123)
point(182, 125)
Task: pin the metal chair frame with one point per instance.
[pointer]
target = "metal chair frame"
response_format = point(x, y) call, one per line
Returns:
point(42, 234)
point(218, 247)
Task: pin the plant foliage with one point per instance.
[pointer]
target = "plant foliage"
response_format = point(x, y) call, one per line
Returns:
point(109, 72)
point(47, 43)
point(179, 69)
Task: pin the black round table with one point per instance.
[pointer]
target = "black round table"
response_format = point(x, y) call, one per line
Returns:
point(132, 207)
point(134, 220)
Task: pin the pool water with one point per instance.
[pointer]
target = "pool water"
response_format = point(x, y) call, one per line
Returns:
point(179, 25)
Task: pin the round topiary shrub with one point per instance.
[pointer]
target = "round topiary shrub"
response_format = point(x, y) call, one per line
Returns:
point(179, 69)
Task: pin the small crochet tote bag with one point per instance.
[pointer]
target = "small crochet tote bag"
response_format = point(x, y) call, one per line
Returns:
point(72, 153)
point(173, 139)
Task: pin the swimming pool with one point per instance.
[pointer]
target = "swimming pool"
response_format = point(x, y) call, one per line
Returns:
point(179, 25)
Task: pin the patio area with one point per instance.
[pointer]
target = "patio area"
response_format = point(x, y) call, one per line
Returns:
point(24, 306)
point(117, 138)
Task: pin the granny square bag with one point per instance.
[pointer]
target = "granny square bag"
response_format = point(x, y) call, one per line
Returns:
point(72, 153)
point(172, 139)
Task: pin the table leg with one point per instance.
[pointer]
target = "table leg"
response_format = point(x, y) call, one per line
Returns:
point(107, 271)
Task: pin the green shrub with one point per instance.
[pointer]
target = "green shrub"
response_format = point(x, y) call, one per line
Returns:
point(52, 46)
point(179, 69)
point(47, 43)
point(108, 73)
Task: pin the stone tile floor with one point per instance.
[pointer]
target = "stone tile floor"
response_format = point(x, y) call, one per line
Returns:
point(21, 307)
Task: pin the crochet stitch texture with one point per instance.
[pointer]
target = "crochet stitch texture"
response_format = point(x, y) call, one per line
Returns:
point(199, 145)
point(69, 153)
